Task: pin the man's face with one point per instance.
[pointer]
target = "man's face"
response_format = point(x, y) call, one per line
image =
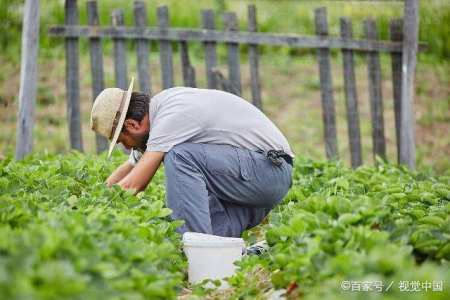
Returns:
point(135, 134)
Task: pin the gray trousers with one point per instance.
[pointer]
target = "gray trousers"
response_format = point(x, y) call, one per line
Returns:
point(220, 189)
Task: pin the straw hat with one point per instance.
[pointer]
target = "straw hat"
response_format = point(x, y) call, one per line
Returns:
point(109, 112)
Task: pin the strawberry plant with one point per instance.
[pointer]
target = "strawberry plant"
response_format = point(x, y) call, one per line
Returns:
point(64, 235)
point(379, 223)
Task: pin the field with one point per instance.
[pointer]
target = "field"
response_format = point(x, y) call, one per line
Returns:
point(66, 236)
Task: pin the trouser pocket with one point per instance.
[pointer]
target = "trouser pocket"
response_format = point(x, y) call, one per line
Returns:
point(228, 160)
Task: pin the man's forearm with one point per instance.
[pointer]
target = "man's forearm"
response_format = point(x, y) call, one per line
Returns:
point(122, 171)
point(141, 175)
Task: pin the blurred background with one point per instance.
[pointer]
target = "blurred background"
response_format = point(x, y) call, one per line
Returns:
point(289, 77)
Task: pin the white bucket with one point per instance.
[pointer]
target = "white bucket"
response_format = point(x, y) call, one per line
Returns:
point(211, 256)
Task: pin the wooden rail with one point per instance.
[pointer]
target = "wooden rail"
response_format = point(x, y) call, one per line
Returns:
point(177, 34)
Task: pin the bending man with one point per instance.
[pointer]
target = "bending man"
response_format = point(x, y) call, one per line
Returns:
point(226, 164)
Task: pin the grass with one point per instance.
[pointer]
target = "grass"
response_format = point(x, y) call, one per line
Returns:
point(289, 77)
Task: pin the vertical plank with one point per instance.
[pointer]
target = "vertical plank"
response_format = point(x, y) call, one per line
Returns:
point(72, 78)
point(28, 79)
point(396, 30)
point(210, 49)
point(253, 59)
point(142, 48)
point(326, 87)
point(120, 58)
point(234, 72)
point(351, 97)
point(187, 69)
point(409, 61)
point(165, 49)
point(96, 59)
point(376, 101)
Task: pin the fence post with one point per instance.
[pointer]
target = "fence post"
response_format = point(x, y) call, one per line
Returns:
point(326, 87)
point(222, 83)
point(187, 69)
point(142, 48)
point(28, 78)
point(376, 99)
point(253, 59)
point(165, 49)
point(234, 72)
point(396, 65)
point(210, 49)
point(409, 60)
point(354, 134)
point(120, 57)
point(96, 55)
point(72, 78)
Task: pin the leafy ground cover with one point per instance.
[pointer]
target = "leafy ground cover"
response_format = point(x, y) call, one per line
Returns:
point(63, 234)
point(374, 224)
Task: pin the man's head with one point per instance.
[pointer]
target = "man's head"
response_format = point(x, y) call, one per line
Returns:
point(136, 127)
point(122, 116)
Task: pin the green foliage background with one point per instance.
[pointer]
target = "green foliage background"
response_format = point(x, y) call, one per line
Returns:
point(293, 106)
point(294, 16)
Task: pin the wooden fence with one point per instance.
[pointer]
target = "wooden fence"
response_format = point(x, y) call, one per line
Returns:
point(402, 67)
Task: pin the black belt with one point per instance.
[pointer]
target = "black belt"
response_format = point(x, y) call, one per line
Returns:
point(275, 155)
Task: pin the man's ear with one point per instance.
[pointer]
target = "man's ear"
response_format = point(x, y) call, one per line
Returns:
point(131, 124)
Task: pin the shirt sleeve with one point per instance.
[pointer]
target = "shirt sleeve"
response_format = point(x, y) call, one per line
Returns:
point(134, 157)
point(170, 128)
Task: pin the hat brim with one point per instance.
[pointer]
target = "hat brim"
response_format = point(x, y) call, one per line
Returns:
point(123, 114)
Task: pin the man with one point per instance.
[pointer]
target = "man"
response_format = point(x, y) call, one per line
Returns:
point(226, 164)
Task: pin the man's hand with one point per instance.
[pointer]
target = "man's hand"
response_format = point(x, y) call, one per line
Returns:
point(139, 177)
point(119, 173)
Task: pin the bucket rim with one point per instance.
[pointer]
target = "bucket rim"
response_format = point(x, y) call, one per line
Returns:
point(197, 237)
point(213, 244)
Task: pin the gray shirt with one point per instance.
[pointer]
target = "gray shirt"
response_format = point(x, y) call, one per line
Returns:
point(181, 114)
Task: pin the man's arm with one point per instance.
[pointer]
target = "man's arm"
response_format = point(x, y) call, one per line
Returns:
point(139, 177)
point(119, 173)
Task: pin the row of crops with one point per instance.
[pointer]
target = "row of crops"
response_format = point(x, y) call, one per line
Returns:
point(64, 235)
